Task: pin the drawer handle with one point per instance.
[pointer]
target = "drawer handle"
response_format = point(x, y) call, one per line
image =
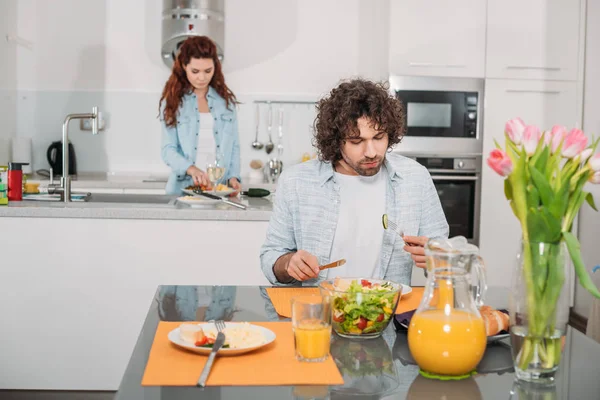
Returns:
point(454, 178)
point(532, 91)
point(533, 67)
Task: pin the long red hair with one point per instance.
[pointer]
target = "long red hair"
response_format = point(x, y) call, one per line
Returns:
point(178, 85)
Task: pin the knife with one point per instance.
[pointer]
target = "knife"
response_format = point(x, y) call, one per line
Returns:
point(334, 264)
point(224, 200)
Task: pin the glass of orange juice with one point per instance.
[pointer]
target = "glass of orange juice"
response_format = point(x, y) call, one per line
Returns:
point(311, 322)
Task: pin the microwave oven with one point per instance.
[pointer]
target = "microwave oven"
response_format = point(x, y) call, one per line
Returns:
point(442, 115)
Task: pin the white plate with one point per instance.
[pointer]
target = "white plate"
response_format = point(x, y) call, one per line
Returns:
point(197, 200)
point(175, 338)
point(405, 290)
point(218, 193)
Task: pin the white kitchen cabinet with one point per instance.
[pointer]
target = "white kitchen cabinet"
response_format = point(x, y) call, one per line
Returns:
point(534, 39)
point(437, 38)
point(541, 103)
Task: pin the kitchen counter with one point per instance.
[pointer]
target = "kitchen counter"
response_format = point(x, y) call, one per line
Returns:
point(147, 207)
point(101, 180)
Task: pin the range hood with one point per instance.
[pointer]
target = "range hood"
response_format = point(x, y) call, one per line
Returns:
point(184, 18)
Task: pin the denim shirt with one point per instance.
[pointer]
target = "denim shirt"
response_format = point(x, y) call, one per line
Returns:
point(306, 210)
point(179, 142)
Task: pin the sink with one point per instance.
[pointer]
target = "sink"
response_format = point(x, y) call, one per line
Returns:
point(159, 199)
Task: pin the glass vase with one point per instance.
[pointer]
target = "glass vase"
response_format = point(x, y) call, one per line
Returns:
point(539, 310)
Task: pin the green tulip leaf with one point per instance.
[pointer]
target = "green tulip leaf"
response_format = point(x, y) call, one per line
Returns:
point(543, 226)
point(590, 200)
point(533, 196)
point(507, 190)
point(575, 252)
point(546, 193)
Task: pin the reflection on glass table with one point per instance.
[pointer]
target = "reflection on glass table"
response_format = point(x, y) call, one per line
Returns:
point(196, 303)
point(431, 389)
point(367, 367)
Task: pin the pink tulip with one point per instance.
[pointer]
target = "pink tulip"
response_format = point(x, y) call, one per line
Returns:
point(555, 136)
point(515, 128)
point(500, 162)
point(575, 143)
point(531, 138)
point(595, 178)
point(595, 162)
point(585, 155)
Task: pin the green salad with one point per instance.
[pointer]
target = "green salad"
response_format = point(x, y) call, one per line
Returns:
point(364, 308)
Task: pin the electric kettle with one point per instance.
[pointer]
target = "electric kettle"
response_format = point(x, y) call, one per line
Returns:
point(54, 156)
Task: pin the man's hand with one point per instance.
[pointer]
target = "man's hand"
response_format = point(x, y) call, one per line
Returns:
point(300, 266)
point(415, 245)
point(303, 266)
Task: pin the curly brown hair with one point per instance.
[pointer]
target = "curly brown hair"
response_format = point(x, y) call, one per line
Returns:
point(338, 113)
point(178, 85)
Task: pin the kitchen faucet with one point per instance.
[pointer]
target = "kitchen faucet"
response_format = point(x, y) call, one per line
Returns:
point(65, 181)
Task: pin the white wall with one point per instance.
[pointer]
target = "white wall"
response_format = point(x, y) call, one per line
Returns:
point(8, 73)
point(110, 57)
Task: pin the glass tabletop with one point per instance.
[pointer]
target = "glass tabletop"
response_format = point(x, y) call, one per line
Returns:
point(380, 368)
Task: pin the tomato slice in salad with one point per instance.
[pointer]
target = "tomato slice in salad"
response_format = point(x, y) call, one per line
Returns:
point(365, 283)
point(362, 323)
point(339, 317)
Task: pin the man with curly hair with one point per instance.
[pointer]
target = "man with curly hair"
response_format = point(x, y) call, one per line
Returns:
point(331, 208)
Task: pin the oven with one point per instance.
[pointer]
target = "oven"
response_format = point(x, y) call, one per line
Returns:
point(458, 183)
point(443, 115)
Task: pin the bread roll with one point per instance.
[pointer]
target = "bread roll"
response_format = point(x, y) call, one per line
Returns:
point(191, 333)
point(495, 321)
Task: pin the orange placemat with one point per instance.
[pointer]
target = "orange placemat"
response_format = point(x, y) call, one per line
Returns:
point(281, 298)
point(272, 365)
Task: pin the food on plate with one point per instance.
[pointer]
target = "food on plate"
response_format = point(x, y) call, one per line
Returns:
point(198, 187)
point(192, 333)
point(362, 306)
point(220, 187)
point(194, 198)
point(495, 321)
point(237, 336)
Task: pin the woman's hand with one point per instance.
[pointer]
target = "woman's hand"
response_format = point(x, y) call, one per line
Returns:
point(235, 184)
point(199, 177)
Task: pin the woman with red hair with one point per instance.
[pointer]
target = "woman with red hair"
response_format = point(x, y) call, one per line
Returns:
point(199, 119)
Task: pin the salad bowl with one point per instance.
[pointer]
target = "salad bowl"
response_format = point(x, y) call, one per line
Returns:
point(361, 308)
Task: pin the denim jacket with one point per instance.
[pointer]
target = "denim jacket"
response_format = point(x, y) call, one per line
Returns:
point(179, 142)
point(306, 210)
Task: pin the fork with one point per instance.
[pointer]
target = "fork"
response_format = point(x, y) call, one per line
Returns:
point(394, 227)
point(220, 340)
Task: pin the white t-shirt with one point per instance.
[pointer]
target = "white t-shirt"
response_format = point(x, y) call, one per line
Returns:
point(359, 233)
point(206, 146)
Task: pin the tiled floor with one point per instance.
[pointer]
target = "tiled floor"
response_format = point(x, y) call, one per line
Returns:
point(54, 395)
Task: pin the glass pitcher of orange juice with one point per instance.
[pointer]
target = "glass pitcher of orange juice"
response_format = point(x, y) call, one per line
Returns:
point(446, 335)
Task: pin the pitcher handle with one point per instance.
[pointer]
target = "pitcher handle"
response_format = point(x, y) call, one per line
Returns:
point(479, 291)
